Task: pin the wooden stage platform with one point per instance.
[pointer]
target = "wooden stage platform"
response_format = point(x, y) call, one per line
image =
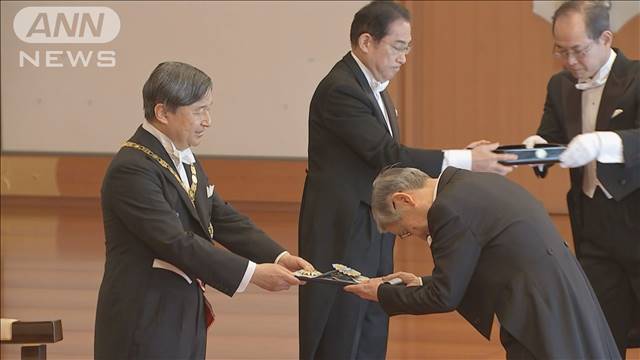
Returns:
point(52, 262)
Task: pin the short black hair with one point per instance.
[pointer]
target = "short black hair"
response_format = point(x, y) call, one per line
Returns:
point(595, 13)
point(375, 18)
point(174, 84)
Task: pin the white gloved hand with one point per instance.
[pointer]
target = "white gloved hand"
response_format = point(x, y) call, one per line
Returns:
point(582, 149)
point(531, 142)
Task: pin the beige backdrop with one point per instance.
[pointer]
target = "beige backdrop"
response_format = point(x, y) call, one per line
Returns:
point(265, 59)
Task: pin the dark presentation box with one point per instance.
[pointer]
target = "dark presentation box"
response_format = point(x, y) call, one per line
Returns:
point(540, 154)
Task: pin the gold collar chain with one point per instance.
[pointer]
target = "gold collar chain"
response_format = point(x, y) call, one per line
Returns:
point(191, 191)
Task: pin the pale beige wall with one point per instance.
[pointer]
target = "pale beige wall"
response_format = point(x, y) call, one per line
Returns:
point(264, 57)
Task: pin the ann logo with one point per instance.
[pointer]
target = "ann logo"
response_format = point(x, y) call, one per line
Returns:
point(66, 25)
point(42, 26)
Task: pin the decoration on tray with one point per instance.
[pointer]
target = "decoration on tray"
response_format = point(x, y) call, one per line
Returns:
point(340, 275)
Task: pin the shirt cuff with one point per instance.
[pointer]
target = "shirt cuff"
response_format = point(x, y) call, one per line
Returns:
point(420, 280)
point(248, 274)
point(280, 256)
point(456, 158)
point(610, 147)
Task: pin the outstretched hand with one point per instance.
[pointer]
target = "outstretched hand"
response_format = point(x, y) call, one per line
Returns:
point(485, 160)
point(273, 277)
point(367, 290)
point(408, 279)
point(294, 263)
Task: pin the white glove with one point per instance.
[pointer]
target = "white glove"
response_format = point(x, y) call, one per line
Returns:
point(531, 142)
point(604, 146)
point(582, 149)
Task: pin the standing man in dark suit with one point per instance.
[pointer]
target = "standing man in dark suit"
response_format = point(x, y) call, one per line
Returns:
point(162, 220)
point(495, 251)
point(594, 105)
point(353, 133)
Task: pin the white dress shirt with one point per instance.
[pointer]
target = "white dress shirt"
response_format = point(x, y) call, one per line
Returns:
point(458, 158)
point(611, 143)
point(377, 87)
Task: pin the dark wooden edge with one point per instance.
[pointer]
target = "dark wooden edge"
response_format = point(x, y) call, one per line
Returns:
point(35, 332)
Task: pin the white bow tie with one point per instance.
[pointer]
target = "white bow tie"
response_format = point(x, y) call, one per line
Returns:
point(590, 84)
point(600, 78)
point(378, 86)
point(184, 156)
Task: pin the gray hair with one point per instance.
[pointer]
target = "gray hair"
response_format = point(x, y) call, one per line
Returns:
point(174, 84)
point(595, 13)
point(388, 182)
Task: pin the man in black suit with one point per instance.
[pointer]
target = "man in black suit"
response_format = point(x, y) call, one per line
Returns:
point(162, 219)
point(353, 133)
point(495, 251)
point(594, 105)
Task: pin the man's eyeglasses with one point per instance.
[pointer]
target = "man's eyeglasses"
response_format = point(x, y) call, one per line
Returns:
point(577, 54)
point(400, 49)
point(401, 234)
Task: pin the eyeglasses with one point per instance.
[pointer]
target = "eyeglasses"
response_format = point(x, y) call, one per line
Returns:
point(403, 233)
point(577, 54)
point(399, 49)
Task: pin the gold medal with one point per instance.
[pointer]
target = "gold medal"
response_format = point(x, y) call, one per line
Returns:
point(346, 270)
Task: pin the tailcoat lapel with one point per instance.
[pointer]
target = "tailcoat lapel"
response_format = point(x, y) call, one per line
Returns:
point(613, 90)
point(362, 80)
point(391, 112)
point(145, 138)
point(202, 201)
point(572, 98)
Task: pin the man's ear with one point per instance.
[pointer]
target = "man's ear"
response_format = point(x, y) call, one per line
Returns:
point(403, 199)
point(607, 38)
point(160, 111)
point(365, 40)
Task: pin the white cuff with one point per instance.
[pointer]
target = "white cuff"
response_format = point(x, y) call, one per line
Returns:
point(456, 158)
point(610, 147)
point(280, 256)
point(248, 274)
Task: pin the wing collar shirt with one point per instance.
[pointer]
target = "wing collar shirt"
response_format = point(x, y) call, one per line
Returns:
point(180, 157)
point(458, 158)
point(611, 143)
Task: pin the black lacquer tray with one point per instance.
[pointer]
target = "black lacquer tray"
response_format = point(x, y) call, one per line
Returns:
point(540, 154)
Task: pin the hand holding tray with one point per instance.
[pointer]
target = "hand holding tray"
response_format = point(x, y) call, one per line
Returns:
point(340, 275)
point(540, 154)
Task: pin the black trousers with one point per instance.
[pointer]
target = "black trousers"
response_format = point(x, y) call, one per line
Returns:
point(607, 242)
point(366, 337)
point(515, 350)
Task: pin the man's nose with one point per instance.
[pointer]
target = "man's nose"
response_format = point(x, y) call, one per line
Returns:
point(206, 121)
point(571, 59)
point(402, 58)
